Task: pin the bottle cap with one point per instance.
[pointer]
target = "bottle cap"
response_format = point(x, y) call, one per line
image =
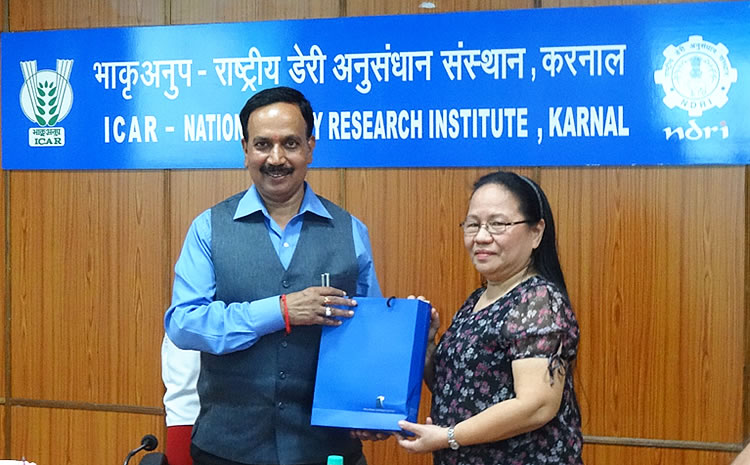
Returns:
point(335, 460)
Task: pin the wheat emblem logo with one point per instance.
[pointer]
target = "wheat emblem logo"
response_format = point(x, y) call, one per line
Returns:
point(46, 95)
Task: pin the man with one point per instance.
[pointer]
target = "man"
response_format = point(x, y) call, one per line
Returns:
point(248, 296)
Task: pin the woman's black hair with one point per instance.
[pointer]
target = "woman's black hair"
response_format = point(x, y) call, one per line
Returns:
point(534, 207)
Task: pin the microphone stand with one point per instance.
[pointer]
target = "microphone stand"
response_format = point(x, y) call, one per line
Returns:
point(149, 442)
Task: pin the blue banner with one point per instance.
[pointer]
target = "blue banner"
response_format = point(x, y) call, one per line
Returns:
point(630, 85)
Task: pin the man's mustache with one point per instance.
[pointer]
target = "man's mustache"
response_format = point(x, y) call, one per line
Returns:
point(276, 169)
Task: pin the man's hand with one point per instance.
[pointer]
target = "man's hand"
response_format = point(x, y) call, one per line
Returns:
point(316, 306)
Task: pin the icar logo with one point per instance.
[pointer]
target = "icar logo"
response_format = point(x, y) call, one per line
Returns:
point(46, 99)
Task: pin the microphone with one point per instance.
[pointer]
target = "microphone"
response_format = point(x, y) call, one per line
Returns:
point(148, 442)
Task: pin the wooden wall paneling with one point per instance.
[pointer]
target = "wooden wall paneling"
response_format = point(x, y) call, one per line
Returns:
point(4, 426)
point(76, 437)
point(327, 182)
point(199, 11)
point(651, 258)
point(3, 430)
point(88, 262)
point(28, 15)
point(413, 216)
point(399, 7)
point(596, 454)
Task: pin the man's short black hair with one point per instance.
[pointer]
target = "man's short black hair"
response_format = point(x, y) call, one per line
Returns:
point(276, 95)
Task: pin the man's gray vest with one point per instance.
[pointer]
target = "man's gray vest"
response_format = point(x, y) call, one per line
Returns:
point(256, 403)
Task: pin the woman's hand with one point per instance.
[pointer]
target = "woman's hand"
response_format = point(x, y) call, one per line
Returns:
point(434, 318)
point(427, 437)
point(434, 325)
point(429, 375)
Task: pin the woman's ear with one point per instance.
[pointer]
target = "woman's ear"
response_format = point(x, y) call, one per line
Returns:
point(538, 230)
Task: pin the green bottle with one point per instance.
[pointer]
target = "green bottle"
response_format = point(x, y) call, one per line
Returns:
point(335, 460)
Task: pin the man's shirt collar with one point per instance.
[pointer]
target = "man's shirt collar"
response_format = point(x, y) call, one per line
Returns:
point(251, 203)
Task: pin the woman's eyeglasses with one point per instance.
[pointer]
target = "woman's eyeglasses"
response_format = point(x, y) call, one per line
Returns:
point(471, 228)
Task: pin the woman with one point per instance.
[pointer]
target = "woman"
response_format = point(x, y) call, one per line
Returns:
point(502, 375)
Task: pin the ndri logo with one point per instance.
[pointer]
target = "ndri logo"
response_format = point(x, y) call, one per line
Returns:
point(696, 76)
point(46, 99)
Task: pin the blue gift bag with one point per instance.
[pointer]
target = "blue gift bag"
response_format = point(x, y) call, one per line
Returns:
point(370, 368)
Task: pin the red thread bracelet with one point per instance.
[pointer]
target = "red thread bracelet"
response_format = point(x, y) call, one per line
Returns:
point(286, 314)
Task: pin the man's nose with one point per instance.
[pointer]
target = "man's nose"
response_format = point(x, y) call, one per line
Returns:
point(277, 155)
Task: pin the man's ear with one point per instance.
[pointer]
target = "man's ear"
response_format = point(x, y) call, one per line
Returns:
point(244, 150)
point(311, 144)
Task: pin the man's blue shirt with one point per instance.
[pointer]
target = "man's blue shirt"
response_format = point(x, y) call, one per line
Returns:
point(196, 321)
